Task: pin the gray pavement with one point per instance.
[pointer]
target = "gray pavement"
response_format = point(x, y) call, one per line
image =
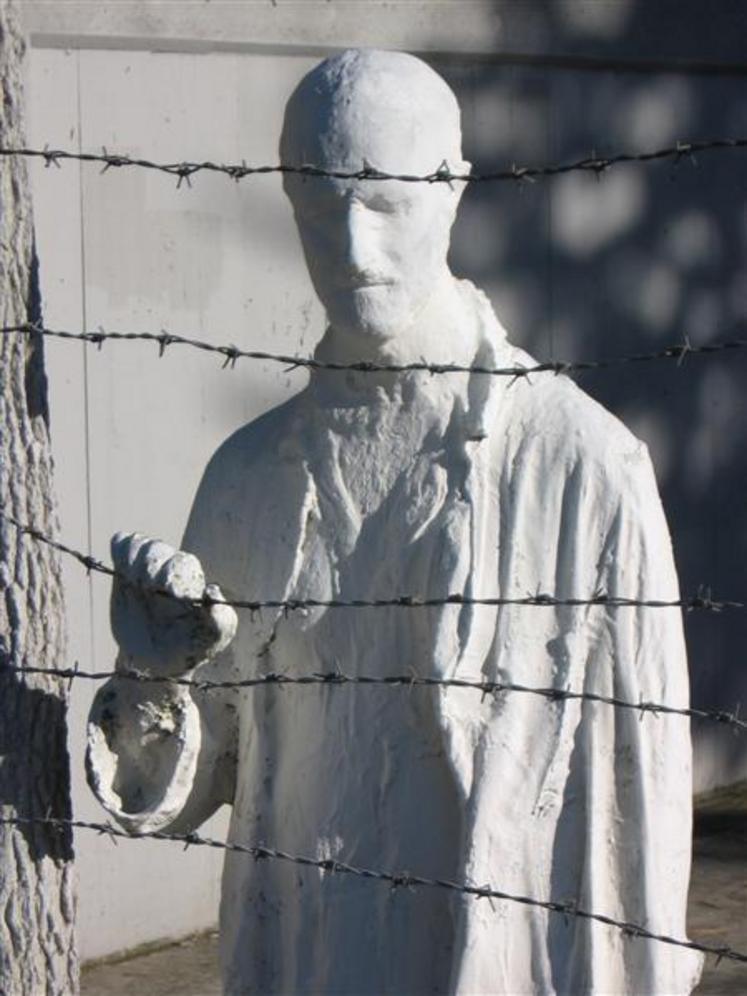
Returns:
point(189, 968)
point(718, 886)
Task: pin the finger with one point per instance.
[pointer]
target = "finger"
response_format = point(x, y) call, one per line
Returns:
point(124, 549)
point(150, 557)
point(224, 618)
point(182, 575)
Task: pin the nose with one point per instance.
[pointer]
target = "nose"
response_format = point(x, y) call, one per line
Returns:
point(360, 249)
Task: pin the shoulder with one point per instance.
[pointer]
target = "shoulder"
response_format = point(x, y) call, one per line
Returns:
point(569, 430)
point(249, 470)
point(255, 445)
point(548, 421)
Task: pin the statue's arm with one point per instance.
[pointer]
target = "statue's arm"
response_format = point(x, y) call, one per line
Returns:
point(638, 562)
point(162, 755)
point(648, 831)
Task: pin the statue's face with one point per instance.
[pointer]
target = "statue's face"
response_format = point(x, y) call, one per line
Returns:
point(376, 249)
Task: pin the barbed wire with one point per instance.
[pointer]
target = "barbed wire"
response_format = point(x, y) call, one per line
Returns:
point(702, 600)
point(412, 680)
point(231, 354)
point(396, 880)
point(185, 170)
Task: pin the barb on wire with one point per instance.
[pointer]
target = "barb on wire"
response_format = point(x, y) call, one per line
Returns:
point(405, 681)
point(702, 600)
point(231, 354)
point(261, 852)
point(184, 171)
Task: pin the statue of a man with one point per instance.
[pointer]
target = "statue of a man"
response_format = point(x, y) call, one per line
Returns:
point(370, 485)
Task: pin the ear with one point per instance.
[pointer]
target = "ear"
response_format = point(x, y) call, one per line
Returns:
point(461, 168)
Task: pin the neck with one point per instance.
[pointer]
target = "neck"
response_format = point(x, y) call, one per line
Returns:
point(443, 332)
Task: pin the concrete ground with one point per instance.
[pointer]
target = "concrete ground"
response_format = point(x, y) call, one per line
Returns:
point(718, 886)
point(188, 968)
point(717, 915)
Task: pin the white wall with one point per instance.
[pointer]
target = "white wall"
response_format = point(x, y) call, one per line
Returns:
point(576, 269)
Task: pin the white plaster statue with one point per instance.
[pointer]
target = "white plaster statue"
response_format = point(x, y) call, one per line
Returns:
point(371, 485)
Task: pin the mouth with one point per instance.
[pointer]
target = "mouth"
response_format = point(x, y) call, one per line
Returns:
point(366, 281)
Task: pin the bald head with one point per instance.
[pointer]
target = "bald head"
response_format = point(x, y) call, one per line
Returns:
point(388, 109)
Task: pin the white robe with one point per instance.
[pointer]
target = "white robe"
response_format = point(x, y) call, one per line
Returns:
point(531, 486)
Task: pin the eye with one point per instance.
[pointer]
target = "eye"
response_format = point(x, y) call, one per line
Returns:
point(317, 199)
point(320, 207)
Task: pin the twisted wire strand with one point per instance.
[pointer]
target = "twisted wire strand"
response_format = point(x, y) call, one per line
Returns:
point(407, 681)
point(184, 171)
point(396, 880)
point(703, 600)
point(231, 354)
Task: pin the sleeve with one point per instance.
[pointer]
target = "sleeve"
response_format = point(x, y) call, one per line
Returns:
point(161, 756)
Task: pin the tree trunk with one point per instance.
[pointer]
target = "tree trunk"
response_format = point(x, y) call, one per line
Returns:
point(37, 899)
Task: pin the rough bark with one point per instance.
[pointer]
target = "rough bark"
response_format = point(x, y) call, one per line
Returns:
point(37, 904)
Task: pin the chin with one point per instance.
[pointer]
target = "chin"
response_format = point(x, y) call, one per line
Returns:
point(378, 313)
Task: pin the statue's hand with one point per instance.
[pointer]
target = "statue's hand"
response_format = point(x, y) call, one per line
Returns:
point(157, 634)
